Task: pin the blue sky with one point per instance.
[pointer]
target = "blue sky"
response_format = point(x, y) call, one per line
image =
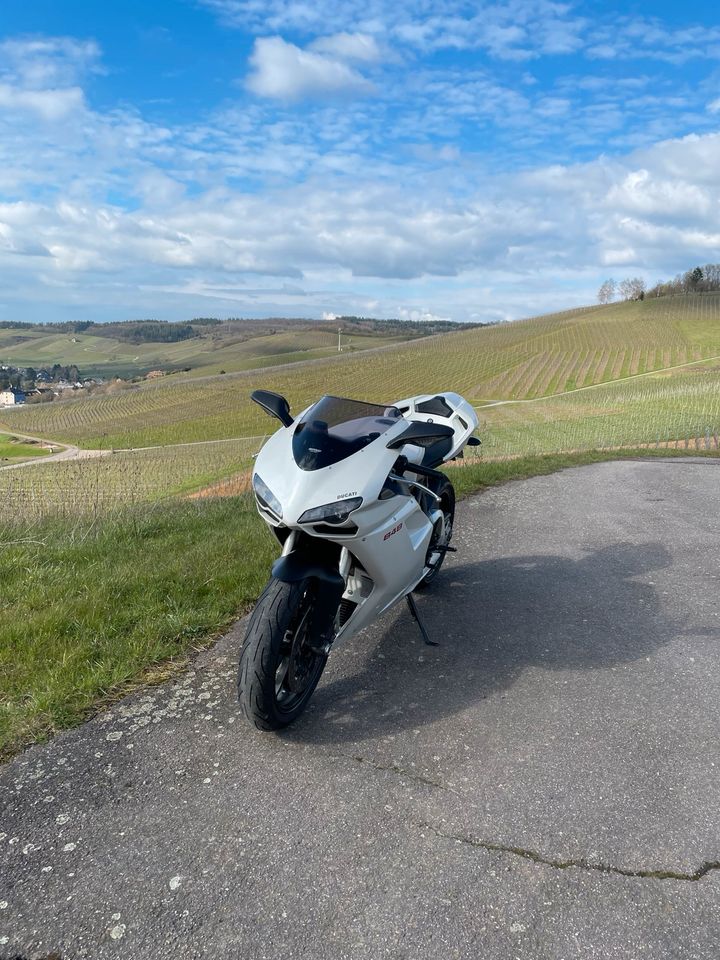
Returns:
point(440, 159)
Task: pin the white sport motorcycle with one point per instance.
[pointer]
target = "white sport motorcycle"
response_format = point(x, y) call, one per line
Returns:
point(351, 491)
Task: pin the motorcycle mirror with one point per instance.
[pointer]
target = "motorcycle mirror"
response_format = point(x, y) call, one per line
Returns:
point(274, 404)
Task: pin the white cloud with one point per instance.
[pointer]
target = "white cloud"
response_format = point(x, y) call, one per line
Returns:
point(374, 205)
point(48, 62)
point(407, 246)
point(47, 104)
point(349, 46)
point(550, 221)
point(419, 315)
point(286, 72)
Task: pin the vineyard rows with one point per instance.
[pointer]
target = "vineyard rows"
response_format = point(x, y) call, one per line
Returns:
point(101, 485)
point(648, 411)
point(523, 360)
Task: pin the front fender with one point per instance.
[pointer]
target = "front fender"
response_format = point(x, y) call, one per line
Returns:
point(329, 587)
point(300, 564)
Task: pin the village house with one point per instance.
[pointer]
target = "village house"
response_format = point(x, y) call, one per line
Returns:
point(11, 398)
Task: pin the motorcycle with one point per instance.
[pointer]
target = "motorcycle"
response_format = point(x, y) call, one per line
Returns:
point(352, 492)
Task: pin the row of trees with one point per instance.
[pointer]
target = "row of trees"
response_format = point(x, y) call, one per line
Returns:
point(696, 280)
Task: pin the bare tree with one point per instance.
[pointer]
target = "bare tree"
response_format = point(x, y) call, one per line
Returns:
point(606, 293)
point(632, 288)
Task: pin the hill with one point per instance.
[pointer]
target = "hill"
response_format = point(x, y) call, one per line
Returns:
point(205, 346)
point(521, 361)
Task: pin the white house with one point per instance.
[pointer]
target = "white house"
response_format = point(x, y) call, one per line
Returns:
point(10, 398)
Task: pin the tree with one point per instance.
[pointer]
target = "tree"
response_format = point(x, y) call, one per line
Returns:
point(606, 293)
point(632, 288)
point(696, 277)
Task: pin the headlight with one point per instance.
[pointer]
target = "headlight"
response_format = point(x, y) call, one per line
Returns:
point(266, 497)
point(336, 512)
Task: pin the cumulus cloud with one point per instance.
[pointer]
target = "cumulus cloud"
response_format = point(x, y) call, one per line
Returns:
point(286, 72)
point(552, 220)
point(39, 75)
point(369, 207)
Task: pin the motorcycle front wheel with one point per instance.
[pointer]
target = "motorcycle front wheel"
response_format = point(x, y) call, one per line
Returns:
point(279, 669)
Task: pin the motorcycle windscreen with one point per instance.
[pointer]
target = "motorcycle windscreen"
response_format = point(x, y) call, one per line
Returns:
point(335, 428)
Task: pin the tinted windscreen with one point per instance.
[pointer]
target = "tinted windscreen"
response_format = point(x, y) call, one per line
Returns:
point(336, 428)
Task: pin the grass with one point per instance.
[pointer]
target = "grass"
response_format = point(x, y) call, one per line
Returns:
point(530, 359)
point(14, 449)
point(88, 612)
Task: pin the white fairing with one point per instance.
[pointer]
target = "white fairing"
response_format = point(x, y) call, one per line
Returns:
point(385, 540)
point(460, 416)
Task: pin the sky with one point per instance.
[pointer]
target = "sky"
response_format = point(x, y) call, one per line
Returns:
point(412, 159)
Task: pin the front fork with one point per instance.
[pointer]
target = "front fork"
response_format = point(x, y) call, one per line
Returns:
point(296, 564)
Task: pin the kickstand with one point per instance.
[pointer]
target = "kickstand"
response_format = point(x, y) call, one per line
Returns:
point(416, 617)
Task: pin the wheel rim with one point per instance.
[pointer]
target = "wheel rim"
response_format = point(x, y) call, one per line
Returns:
point(298, 664)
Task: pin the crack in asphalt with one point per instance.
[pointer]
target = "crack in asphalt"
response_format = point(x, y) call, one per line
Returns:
point(707, 867)
point(400, 771)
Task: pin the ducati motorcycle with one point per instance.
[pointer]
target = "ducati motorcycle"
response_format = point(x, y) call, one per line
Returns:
point(352, 493)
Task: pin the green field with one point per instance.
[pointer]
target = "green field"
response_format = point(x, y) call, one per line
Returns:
point(14, 449)
point(528, 359)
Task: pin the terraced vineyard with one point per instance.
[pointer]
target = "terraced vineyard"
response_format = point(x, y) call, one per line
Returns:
point(100, 485)
point(523, 360)
point(647, 411)
point(602, 364)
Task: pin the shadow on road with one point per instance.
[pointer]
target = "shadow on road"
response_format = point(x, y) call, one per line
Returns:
point(493, 619)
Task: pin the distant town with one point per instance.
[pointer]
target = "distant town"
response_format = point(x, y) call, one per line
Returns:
point(20, 385)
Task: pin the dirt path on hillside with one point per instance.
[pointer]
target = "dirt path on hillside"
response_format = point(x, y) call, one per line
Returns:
point(65, 451)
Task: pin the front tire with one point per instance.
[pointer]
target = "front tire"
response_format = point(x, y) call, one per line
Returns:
point(278, 669)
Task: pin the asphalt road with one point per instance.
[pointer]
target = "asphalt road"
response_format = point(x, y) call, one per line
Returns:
point(545, 784)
